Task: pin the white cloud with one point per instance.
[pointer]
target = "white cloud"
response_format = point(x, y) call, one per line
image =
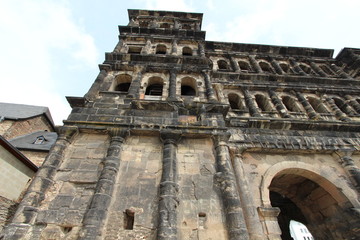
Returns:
point(32, 32)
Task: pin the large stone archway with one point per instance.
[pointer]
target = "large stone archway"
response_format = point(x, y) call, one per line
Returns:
point(328, 209)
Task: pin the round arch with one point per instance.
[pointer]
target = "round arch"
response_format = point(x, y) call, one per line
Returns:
point(325, 201)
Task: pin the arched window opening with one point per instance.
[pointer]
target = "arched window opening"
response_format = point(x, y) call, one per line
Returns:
point(244, 66)
point(285, 67)
point(155, 87)
point(317, 105)
point(161, 49)
point(164, 25)
point(290, 104)
point(129, 217)
point(186, 26)
point(343, 106)
point(306, 68)
point(266, 67)
point(223, 65)
point(235, 101)
point(123, 87)
point(327, 70)
point(122, 83)
point(186, 51)
point(263, 103)
point(188, 87)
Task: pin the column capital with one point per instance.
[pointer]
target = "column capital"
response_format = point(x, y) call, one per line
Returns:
point(237, 150)
point(68, 133)
point(170, 136)
point(120, 133)
point(221, 139)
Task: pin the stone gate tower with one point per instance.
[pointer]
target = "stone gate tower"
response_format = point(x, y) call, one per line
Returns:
point(182, 138)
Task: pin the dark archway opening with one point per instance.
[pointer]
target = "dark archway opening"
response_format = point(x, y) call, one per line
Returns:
point(122, 87)
point(187, 91)
point(288, 211)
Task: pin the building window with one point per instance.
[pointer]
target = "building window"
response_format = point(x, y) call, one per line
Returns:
point(266, 67)
point(154, 90)
point(223, 65)
point(186, 51)
point(263, 103)
point(290, 104)
point(285, 67)
point(39, 140)
point(244, 66)
point(122, 87)
point(129, 217)
point(234, 101)
point(188, 86)
point(306, 68)
point(161, 49)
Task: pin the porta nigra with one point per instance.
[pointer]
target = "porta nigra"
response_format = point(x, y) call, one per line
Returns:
point(183, 138)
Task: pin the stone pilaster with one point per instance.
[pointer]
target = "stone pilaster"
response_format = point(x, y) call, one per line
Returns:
point(95, 87)
point(254, 112)
point(96, 214)
point(279, 104)
point(352, 102)
point(28, 207)
point(249, 209)
point(225, 178)
point(219, 89)
point(135, 85)
point(297, 67)
point(307, 106)
point(268, 217)
point(351, 169)
point(338, 113)
point(168, 202)
point(255, 64)
point(209, 90)
point(172, 86)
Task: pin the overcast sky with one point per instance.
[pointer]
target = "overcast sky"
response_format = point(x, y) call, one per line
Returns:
point(51, 48)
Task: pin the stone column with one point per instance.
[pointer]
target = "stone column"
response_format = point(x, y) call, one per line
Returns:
point(225, 178)
point(235, 65)
point(255, 64)
point(135, 85)
point(147, 48)
point(201, 49)
point(318, 70)
point(209, 90)
point(351, 169)
point(297, 67)
point(308, 108)
point(276, 66)
point(338, 113)
point(279, 104)
point(250, 213)
point(28, 207)
point(95, 87)
point(352, 102)
point(251, 104)
point(340, 72)
point(168, 201)
point(172, 86)
point(219, 92)
point(174, 47)
point(96, 214)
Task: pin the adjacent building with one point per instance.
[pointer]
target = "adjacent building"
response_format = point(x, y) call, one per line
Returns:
point(183, 138)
